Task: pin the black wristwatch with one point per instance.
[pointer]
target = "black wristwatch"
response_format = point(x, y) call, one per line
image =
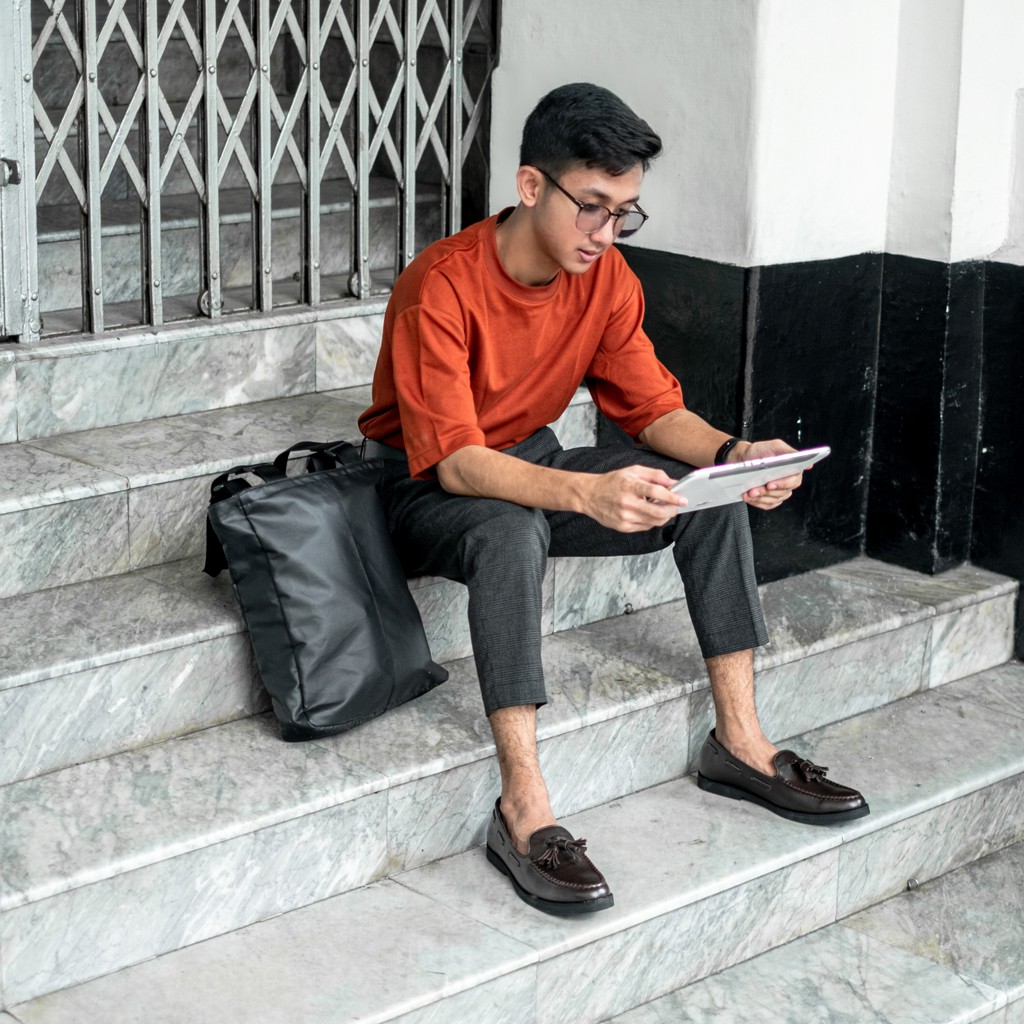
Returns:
point(723, 453)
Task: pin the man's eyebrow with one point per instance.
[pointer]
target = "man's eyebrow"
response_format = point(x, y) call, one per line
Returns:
point(603, 197)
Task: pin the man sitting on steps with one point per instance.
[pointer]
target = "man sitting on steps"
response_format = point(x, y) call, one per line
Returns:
point(487, 336)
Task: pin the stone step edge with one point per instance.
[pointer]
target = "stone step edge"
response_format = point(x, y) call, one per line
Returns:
point(111, 479)
point(986, 999)
point(247, 322)
point(564, 941)
point(230, 622)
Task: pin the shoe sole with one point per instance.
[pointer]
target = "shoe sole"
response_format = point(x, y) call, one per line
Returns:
point(825, 818)
point(551, 906)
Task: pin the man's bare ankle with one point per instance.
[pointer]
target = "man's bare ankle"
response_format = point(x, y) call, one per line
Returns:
point(754, 750)
point(522, 819)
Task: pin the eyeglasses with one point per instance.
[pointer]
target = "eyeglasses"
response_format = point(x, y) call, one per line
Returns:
point(592, 217)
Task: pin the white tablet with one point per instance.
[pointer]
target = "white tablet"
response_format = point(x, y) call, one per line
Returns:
point(720, 485)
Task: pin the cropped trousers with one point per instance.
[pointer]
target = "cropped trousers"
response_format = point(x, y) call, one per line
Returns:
point(499, 550)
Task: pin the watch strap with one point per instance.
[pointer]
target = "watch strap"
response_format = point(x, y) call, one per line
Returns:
point(723, 453)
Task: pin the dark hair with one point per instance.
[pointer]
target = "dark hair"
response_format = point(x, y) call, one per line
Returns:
point(584, 123)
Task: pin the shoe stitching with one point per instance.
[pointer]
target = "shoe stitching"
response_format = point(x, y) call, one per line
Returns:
point(811, 792)
point(579, 886)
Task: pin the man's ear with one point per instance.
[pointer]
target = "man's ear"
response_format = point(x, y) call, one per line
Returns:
point(530, 183)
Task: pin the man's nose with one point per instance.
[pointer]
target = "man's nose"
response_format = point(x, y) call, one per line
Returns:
point(606, 234)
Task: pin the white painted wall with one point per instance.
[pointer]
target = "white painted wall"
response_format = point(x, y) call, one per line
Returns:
point(796, 129)
point(685, 66)
point(926, 101)
point(823, 125)
point(987, 195)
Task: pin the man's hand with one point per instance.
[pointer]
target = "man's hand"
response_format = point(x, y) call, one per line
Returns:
point(631, 500)
point(774, 493)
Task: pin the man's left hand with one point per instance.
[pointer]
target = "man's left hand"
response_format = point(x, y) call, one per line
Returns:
point(770, 495)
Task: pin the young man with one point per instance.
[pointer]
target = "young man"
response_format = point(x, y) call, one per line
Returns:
point(487, 336)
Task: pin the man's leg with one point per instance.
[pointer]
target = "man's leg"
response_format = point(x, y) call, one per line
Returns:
point(736, 723)
point(499, 551)
point(524, 794)
point(714, 555)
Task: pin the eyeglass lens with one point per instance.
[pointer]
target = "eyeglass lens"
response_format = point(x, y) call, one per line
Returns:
point(593, 218)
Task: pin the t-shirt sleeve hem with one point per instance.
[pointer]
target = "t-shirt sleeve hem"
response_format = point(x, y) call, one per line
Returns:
point(640, 419)
point(422, 462)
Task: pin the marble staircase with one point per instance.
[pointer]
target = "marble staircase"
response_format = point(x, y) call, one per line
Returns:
point(701, 884)
point(152, 817)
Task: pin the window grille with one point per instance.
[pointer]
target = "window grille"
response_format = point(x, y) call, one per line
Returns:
point(199, 158)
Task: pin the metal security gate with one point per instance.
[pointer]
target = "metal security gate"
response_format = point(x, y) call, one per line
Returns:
point(19, 305)
point(197, 158)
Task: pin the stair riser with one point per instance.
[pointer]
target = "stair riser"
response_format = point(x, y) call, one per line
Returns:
point(66, 543)
point(828, 687)
point(8, 399)
point(97, 387)
point(125, 705)
point(689, 943)
point(443, 814)
point(880, 865)
point(96, 929)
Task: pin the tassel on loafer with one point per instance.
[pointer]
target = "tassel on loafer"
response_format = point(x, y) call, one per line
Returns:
point(556, 876)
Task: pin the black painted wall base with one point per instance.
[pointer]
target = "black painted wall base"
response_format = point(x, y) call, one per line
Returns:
point(997, 540)
point(811, 352)
point(782, 351)
point(888, 359)
point(927, 413)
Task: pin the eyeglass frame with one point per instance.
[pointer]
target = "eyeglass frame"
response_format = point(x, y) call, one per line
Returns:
point(583, 207)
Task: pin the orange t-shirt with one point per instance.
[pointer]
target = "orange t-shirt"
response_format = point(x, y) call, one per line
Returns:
point(470, 356)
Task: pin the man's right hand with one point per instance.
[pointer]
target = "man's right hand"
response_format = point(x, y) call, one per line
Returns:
point(632, 500)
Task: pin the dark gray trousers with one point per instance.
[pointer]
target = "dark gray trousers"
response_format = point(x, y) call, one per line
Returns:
point(499, 550)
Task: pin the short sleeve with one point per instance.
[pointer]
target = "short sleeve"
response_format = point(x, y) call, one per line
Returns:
point(628, 382)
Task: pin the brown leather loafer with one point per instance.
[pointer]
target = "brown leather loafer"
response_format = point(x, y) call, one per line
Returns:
point(556, 876)
point(798, 791)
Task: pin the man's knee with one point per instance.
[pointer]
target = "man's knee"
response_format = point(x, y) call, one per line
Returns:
point(512, 538)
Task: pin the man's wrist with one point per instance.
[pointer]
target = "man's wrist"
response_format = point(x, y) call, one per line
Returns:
point(731, 450)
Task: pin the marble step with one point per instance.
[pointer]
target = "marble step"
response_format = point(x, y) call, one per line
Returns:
point(61, 386)
point(948, 952)
point(161, 651)
point(99, 503)
point(103, 502)
point(701, 883)
point(183, 837)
